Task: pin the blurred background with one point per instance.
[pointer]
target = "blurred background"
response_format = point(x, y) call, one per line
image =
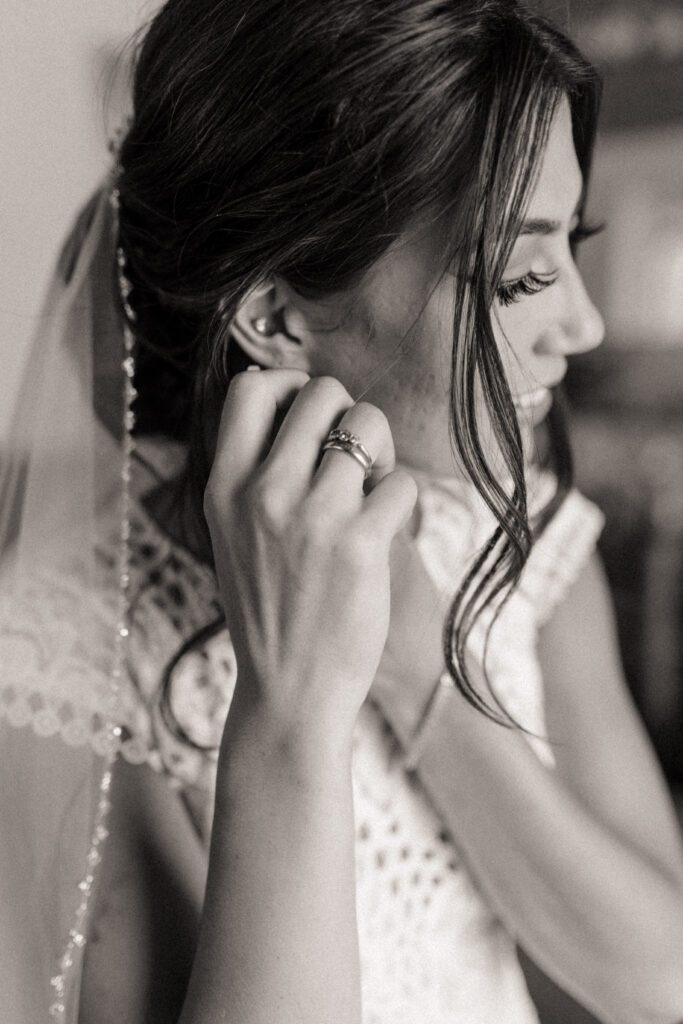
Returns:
point(63, 97)
point(628, 394)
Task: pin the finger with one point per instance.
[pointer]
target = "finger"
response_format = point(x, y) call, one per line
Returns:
point(387, 510)
point(339, 472)
point(252, 404)
point(315, 410)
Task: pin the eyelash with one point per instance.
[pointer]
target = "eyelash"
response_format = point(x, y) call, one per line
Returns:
point(531, 284)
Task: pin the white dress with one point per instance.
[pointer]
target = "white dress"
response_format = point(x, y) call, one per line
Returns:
point(432, 951)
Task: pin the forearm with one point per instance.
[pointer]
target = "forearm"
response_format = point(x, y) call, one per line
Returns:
point(602, 749)
point(279, 936)
point(594, 913)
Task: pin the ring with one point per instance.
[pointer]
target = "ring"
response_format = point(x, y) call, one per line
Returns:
point(344, 441)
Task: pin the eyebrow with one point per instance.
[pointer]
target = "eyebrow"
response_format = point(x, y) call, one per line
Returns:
point(539, 227)
point(542, 226)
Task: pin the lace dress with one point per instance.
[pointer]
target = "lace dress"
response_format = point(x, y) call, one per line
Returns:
point(432, 951)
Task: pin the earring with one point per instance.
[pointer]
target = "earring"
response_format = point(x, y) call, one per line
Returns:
point(262, 325)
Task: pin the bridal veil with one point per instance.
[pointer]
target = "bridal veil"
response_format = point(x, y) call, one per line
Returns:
point(63, 689)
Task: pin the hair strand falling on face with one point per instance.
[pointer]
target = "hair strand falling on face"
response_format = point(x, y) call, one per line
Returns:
point(267, 140)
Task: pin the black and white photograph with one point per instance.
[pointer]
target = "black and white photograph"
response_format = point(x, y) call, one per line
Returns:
point(341, 512)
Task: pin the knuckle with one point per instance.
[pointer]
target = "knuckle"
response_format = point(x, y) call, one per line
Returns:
point(329, 387)
point(372, 416)
point(242, 384)
point(407, 485)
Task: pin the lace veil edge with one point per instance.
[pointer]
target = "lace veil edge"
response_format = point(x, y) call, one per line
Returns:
point(61, 510)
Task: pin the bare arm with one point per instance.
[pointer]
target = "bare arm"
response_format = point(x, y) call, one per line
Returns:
point(588, 879)
point(278, 939)
point(151, 901)
point(601, 749)
point(599, 918)
point(306, 593)
point(302, 556)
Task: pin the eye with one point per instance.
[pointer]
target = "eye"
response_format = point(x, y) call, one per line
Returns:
point(583, 231)
point(531, 284)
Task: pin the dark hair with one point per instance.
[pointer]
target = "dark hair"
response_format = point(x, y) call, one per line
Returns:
point(274, 137)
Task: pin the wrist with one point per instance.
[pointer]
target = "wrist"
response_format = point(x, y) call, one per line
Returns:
point(299, 746)
point(299, 784)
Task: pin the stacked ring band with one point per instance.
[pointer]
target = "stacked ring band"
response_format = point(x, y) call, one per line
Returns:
point(344, 441)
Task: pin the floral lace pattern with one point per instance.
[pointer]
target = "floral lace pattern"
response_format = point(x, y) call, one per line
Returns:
point(432, 952)
point(56, 649)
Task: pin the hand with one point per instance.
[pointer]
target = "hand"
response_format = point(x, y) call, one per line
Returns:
point(302, 550)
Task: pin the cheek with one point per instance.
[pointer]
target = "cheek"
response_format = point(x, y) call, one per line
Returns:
point(399, 358)
point(422, 359)
point(414, 390)
point(514, 332)
point(400, 345)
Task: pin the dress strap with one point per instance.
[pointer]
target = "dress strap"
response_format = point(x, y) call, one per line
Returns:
point(560, 553)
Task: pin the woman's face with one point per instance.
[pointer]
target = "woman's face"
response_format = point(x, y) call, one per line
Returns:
point(394, 347)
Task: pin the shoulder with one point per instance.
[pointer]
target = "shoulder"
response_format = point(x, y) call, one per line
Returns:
point(585, 611)
point(563, 556)
point(578, 643)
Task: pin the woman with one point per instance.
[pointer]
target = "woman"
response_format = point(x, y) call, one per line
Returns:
point(377, 208)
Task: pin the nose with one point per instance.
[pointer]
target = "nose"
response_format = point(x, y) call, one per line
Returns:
point(579, 327)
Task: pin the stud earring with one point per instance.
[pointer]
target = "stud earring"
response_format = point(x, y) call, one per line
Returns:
point(262, 325)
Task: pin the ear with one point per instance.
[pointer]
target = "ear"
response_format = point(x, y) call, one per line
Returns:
point(261, 327)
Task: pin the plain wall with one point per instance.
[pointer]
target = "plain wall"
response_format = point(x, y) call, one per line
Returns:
point(55, 71)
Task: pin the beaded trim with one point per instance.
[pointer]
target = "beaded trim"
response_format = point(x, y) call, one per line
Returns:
point(77, 933)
